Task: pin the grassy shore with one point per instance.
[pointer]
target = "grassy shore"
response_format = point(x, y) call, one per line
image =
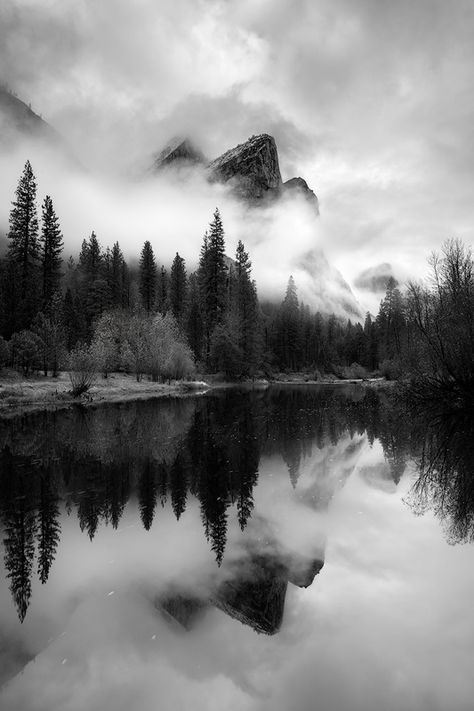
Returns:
point(18, 395)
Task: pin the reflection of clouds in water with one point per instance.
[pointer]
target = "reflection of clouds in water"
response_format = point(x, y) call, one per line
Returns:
point(374, 631)
point(376, 470)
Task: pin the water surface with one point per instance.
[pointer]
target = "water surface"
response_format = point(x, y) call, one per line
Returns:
point(239, 550)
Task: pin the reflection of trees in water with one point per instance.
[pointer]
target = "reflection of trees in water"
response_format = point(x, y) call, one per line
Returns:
point(445, 482)
point(208, 448)
point(19, 522)
point(48, 524)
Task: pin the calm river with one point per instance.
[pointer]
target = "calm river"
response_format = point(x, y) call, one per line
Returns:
point(290, 549)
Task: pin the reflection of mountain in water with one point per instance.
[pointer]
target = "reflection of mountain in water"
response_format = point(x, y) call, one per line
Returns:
point(159, 453)
point(252, 591)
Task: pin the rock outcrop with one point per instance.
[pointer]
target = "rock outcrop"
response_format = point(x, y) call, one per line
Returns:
point(298, 186)
point(179, 152)
point(251, 167)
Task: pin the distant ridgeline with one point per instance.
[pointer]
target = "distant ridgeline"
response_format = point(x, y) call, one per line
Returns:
point(207, 449)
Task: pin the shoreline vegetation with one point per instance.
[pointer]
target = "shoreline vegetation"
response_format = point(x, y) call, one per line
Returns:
point(19, 395)
point(95, 315)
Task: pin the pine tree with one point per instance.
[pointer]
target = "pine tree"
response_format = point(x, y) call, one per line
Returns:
point(213, 278)
point(178, 288)
point(23, 250)
point(147, 277)
point(391, 323)
point(91, 258)
point(51, 247)
point(116, 276)
point(245, 307)
point(93, 288)
point(287, 345)
point(194, 324)
point(163, 291)
point(370, 343)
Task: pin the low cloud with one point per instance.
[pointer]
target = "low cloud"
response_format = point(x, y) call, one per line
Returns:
point(370, 102)
point(172, 210)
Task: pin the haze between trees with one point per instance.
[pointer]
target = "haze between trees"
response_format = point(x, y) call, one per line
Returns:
point(97, 315)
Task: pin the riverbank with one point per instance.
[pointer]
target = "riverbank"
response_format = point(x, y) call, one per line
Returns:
point(19, 395)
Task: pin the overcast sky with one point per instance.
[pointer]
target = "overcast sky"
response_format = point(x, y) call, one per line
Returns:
point(370, 100)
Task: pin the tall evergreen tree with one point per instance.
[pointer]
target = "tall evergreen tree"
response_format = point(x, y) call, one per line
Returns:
point(178, 289)
point(287, 336)
point(23, 249)
point(163, 291)
point(147, 277)
point(245, 307)
point(213, 278)
point(116, 276)
point(391, 323)
point(194, 323)
point(93, 288)
point(91, 258)
point(51, 247)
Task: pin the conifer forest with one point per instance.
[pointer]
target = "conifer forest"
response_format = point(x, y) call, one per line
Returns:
point(96, 312)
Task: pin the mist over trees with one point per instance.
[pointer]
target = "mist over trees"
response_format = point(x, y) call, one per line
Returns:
point(163, 321)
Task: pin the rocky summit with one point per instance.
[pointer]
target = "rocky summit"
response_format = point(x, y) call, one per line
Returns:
point(298, 186)
point(179, 152)
point(252, 169)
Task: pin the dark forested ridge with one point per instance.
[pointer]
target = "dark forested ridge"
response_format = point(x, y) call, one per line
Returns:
point(165, 322)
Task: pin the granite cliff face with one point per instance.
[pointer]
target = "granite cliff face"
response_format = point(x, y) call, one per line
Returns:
point(252, 167)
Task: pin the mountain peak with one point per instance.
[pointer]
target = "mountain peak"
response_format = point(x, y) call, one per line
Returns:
point(252, 167)
point(179, 151)
point(299, 186)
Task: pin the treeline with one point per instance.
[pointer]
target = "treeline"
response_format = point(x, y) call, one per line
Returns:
point(96, 312)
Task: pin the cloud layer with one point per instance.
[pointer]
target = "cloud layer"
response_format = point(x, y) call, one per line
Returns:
point(371, 101)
